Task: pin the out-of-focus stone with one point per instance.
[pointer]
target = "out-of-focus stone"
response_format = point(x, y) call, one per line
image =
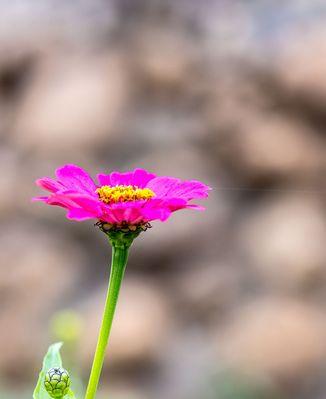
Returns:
point(72, 104)
point(163, 58)
point(285, 239)
point(259, 147)
point(302, 62)
point(279, 147)
point(9, 163)
point(125, 391)
point(206, 289)
point(36, 270)
point(141, 325)
point(280, 339)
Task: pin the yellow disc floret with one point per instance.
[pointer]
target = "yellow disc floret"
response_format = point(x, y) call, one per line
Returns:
point(113, 194)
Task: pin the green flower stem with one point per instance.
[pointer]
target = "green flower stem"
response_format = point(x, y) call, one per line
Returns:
point(119, 259)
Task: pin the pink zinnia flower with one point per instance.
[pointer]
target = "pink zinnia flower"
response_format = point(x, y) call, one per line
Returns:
point(131, 198)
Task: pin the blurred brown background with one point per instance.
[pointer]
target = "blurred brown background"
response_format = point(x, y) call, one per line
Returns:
point(226, 304)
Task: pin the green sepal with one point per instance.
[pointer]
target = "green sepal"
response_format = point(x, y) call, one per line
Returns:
point(51, 359)
point(121, 239)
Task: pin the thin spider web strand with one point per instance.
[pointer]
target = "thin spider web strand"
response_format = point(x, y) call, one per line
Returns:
point(276, 190)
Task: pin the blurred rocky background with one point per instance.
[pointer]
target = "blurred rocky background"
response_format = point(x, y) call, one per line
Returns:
point(226, 304)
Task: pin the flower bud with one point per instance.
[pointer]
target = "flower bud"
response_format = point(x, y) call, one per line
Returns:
point(57, 382)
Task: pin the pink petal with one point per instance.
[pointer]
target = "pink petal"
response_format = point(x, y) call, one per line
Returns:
point(61, 200)
point(153, 213)
point(79, 214)
point(171, 187)
point(118, 178)
point(43, 199)
point(75, 178)
point(138, 177)
point(195, 207)
point(175, 203)
point(49, 184)
point(126, 211)
point(88, 203)
point(141, 177)
point(104, 180)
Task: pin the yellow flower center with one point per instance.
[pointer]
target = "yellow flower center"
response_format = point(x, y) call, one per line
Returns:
point(113, 194)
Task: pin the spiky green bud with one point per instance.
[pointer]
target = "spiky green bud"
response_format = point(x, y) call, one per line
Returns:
point(57, 382)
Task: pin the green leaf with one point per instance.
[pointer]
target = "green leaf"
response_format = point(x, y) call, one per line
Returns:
point(51, 359)
point(70, 395)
